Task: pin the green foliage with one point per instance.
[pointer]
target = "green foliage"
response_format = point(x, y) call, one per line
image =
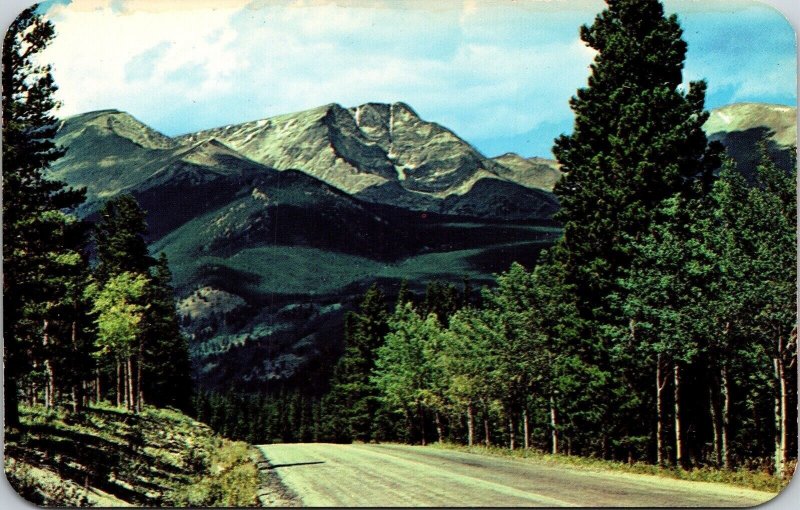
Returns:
point(228, 478)
point(119, 236)
point(406, 366)
point(34, 226)
point(467, 360)
point(167, 371)
point(442, 300)
point(119, 313)
point(106, 457)
point(149, 317)
point(637, 140)
point(352, 402)
point(636, 146)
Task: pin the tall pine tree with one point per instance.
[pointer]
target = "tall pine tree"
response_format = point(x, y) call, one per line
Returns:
point(165, 362)
point(160, 361)
point(637, 140)
point(352, 402)
point(30, 201)
point(120, 238)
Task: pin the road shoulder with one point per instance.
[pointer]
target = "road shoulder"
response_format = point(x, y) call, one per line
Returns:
point(272, 492)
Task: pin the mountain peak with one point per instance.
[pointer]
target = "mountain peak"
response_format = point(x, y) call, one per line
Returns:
point(118, 123)
point(780, 120)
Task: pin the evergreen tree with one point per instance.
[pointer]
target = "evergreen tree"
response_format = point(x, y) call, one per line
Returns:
point(31, 202)
point(637, 141)
point(120, 239)
point(162, 370)
point(442, 300)
point(167, 371)
point(403, 294)
point(352, 402)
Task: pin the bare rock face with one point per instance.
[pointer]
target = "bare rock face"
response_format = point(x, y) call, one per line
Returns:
point(778, 122)
point(362, 147)
point(534, 172)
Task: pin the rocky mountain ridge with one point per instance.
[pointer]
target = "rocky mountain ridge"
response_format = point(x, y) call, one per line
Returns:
point(360, 147)
point(376, 153)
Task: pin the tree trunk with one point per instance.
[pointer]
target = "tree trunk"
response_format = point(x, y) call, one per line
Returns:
point(553, 426)
point(784, 419)
point(129, 384)
point(487, 437)
point(76, 404)
point(139, 387)
point(125, 401)
point(421, 416)
point(97, 391)
point(716, 425)
point(526, 428)
point(470, 424)
point(119, 383)
point(661, 383)
point(679, 453)
point(726, 418)
point(781, 416)
point(512, 432)
point(50, 384)
point(439, 428)
point(34, 385)
point(77, 386)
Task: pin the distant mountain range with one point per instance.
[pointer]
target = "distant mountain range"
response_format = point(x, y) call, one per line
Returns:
point(273, 228)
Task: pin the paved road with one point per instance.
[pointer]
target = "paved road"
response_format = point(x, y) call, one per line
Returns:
point(397, 475)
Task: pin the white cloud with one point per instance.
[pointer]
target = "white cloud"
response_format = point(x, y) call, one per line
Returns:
point(96, 44)
point(484, 69)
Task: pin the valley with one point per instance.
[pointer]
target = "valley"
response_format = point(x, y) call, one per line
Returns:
point(294, 217)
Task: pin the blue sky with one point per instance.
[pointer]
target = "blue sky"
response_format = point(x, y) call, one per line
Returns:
point(499, 73)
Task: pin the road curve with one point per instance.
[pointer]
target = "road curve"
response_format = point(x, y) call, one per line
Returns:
point(397, 475)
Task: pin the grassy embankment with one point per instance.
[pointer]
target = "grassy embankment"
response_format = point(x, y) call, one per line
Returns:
point(107, 457)
point(757, 480)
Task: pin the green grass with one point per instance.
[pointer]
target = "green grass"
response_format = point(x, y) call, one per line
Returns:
point(108, 457)
point(756, 480)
